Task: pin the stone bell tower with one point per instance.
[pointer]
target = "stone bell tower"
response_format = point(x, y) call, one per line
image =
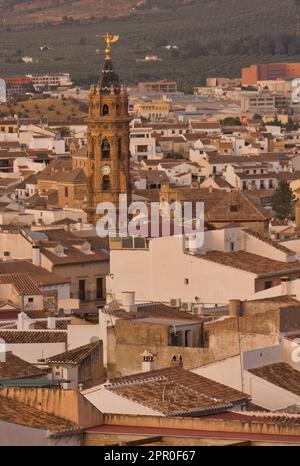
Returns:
point(108, 138)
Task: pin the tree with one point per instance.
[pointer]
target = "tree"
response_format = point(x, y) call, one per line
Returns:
point(231, 121)
point(173, 156)
point(291, 125)
point(283, 201)
point(65, 132)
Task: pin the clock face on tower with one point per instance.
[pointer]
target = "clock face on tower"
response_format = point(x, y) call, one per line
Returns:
point(105, 170)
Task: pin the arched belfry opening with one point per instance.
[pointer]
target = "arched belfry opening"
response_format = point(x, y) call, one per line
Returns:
point(106, 183)
point(105, 150)
point(105, 110)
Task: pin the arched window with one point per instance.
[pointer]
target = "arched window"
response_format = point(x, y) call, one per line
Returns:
point(105, 110)
point(106, 183)
point(105, 149)
point(119, 148)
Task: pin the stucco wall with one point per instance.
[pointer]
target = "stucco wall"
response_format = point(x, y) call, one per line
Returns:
point(160, 273)
point(127, 341)
point(67, 404)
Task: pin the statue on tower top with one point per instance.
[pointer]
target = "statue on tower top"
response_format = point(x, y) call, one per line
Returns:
point(109, 39)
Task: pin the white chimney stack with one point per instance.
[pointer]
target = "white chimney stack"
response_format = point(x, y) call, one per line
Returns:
point(148, 361)
point(51, 323)
point(286, 286)
point(36, 255)
point(24, 322)
point(6, 256)
point(128, 301)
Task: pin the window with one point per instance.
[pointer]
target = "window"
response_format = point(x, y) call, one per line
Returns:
point(186, 281)
point(234, 208)
point(106, 183)
point(105, 110)
point(30, 300)
point(82, 290)
point(105, 149)
point(119, 148)
point(232, 247)
point(99, 288)
point(66, 191)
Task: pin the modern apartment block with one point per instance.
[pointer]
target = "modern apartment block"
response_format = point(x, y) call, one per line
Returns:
point(159, 87)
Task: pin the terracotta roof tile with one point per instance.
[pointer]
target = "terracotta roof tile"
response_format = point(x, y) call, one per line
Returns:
point(76, 355)
point(33, 336)
point(14, 367)
point(280, 374)
point(175, 391)
point(21, 282)
point(269, 241)
point(15, 412)
point(248, 209)
point(250, 262)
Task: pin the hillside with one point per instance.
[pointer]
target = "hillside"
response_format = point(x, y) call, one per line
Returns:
point(25, 12)
point(212, 36)
point(50, 109)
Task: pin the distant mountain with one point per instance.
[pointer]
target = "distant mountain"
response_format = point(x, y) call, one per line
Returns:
point(22, 12)
point(207, 37)
point(55, 11)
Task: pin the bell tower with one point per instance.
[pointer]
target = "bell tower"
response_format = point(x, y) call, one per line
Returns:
point(108, 138)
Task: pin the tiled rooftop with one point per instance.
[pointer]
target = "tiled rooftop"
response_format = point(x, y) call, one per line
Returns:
point(280, 374)
point(33, 336)
point(74, 356)
point(175, 391)
point(14, 367)
point(22, 283)
point(269, 241)
point(18, 413)
point(250, 262)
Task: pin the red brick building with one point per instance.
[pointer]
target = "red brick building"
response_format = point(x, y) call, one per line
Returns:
point(269, 71)
point(17, 86)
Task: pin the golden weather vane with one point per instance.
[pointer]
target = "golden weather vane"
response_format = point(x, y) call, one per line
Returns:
point(109, 39)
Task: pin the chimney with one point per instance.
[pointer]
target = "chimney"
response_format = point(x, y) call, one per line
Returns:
point(177, 361)
point(148, 361)
point(51, 323)
point(194, 245)
point(36, 255)
point(128, 301)
point(286, 286)
point(24, 322)
point(6, 256)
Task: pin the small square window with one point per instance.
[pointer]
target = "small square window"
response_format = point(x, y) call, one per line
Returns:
point(30, 300)
point(234, 208)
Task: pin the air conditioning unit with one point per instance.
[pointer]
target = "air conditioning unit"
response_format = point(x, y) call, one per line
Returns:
point(198, 310)
point(175, 302)
point(187, 307)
